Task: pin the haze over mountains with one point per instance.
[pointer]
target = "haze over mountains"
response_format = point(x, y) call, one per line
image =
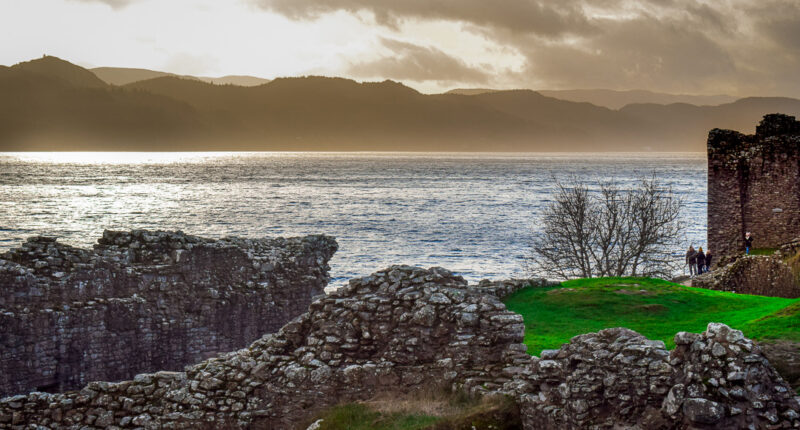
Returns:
point(126, 75)
point(51, 104)
point(614, 99)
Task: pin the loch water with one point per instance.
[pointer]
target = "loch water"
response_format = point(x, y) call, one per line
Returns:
point(472, 213)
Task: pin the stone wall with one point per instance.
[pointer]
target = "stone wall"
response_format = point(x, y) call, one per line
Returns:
point(754, 185)
point(403, 329)
point(754, 274)
point(615, 377)
point(721, 380)
point(399, 329)
point(144, 301)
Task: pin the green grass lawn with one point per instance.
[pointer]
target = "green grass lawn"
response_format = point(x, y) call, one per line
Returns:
point(655, 308)
point(762, 251)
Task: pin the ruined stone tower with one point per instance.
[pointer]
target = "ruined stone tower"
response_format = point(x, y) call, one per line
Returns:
point(754, 185)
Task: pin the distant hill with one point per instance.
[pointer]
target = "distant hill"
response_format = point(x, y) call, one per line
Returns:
point(125, 75)
point(613, 99)
point(56, 68)
point(617, 99)
point(50, 104)
point(471, 91)
point(241, 80)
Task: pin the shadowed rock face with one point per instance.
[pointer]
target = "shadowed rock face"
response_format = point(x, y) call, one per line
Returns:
point(144, 301)
point(405, 328)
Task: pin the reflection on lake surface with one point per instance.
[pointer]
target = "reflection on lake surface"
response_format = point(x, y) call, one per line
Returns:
point(471, 213)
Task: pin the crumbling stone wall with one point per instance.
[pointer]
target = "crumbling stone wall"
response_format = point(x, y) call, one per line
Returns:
point(405, 328)
point(613, 377)
point(722, 380)
point(399, 329)
point(754, 274)
point(143, 301)
point(617, 378)
point(754, 185)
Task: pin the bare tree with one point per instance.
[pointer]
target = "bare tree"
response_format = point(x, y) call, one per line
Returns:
point(608, 232)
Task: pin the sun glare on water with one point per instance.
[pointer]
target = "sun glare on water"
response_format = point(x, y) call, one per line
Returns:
point(114, 157)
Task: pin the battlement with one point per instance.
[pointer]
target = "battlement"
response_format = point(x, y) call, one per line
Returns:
point(777, 124)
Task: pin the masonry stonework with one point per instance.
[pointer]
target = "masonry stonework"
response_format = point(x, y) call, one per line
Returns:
point(753, 274)
point(404, 329)
point(142, 301)
point(754, 185)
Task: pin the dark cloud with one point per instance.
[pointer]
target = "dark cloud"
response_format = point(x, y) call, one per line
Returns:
point(417, 63)
point(641, 53)
point(547, 18)
point(781, 23)
point(737, 46)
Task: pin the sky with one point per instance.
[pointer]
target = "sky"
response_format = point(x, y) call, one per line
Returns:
point(735, 47)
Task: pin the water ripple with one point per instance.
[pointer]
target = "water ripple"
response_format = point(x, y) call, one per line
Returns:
point(472, 213)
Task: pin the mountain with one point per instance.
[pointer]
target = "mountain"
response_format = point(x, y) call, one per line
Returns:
point(124, 75)
point(50, 104)
point(56, 68)
point(617, 99)
point(613, 99)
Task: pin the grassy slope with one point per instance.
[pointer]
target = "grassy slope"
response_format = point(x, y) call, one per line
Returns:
point(655, 308)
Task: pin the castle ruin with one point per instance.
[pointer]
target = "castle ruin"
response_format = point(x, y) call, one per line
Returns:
point(754, 185)
point(143, 301)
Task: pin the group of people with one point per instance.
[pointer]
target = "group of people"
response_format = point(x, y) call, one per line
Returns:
point(699, 262)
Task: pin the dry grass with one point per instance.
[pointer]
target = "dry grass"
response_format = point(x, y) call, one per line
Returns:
point(429, 409)
point(437, 402)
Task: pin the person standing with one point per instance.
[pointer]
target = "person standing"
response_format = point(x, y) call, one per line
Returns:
point(748, 243)
point(708, 259)
point(691, 260)
point(701, 260)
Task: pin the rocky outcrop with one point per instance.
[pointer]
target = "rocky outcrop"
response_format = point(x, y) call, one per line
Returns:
point(752, 274)
point(144, 301)
point(404, 329)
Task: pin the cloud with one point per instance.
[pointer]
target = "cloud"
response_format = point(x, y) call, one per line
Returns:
point(190, 64)
point(638, 53)
point(407, 61)
point(742, 47)
point(548, 18)
point(115, 4)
